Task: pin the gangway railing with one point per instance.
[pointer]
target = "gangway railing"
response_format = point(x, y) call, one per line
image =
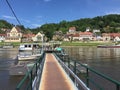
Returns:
point(78, 82)
point(94, 80)
point(32, 78)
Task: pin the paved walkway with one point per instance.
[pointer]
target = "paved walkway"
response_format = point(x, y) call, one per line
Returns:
point(53, 76)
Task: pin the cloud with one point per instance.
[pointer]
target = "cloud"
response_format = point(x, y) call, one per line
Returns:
point(47, 0)
point(8, 17)
point(36, 25)
point(27, 21)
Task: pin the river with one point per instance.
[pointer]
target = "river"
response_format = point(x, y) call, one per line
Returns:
point(105, 60)
point(7, 58)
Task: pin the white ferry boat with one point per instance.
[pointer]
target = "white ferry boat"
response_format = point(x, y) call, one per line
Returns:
point(29, 51)
point(28, 46)
point(28, 54)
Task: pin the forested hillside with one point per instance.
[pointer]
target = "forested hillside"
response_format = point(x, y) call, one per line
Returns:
point(107, 23)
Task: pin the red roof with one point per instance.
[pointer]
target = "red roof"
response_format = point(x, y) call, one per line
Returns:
point(115, 34)
point(76, 35)
point(86, 33)
point(28, 35)
point(111, 34)
point(3, 35)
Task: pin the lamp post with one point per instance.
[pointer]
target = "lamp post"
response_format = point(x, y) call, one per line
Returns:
point(42, 41)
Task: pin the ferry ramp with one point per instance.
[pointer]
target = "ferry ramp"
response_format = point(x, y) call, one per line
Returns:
point(54, 77)
point(51, 73)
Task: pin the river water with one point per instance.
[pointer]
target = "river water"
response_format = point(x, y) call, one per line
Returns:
point(105, 60)
point(7, 58)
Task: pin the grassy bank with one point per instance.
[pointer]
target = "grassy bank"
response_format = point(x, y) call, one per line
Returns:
point(78, 43)
point(95, 43)
point(13, 43)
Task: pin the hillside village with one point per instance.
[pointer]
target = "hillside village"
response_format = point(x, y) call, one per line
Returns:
point(96, 35)
point(15, 35)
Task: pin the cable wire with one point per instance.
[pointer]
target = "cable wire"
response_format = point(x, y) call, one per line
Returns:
point(13, 12)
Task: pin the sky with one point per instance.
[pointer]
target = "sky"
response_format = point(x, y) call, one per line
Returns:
point(34, 13)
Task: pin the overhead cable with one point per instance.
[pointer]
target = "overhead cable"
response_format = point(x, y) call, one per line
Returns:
point(13, 12)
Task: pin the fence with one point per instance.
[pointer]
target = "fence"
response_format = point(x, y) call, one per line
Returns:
point(32, 78)
point(92, 78)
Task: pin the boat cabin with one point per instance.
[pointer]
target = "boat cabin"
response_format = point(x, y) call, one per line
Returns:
point(28, 46)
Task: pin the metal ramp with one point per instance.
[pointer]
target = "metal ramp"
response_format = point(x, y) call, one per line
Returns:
point(54, 77)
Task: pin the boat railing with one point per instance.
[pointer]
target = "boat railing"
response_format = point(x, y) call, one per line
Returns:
point(93, 79)
point(32, 78)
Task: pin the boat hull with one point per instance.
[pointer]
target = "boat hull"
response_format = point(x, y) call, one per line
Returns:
point(28, 57)
point(105, 46)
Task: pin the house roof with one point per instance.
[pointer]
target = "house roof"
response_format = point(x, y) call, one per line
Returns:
point(76, 35)
point(72, 28)
point(3, 35)
point(115, 34)
point(28, 35)
point(85, 33)
point(111, 34)
point(18, 29)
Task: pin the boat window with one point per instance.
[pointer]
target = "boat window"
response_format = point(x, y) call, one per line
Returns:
point(29, 46)
point(25, 45)
point(34, 46)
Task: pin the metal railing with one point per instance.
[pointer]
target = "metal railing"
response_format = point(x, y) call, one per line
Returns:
point(78, 82)
point(94, 80)
point(32, 78)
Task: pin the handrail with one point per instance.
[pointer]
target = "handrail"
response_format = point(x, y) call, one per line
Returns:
point(88, 69)
point(100, 74)
point(30, 74)
point(78, 81)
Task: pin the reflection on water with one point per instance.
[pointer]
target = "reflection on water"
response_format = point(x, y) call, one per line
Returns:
point(7, 58)
point(105, 60)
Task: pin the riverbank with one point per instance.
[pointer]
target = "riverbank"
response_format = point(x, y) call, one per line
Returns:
point(90, 43)
point(73, 43)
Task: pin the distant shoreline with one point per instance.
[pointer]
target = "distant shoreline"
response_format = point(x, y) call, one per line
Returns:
point(73, 43)
point(90, 43)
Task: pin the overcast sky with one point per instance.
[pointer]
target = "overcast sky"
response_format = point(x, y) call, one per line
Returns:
point(34, 13)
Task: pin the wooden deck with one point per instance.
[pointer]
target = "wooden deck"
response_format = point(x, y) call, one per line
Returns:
point(54, 77)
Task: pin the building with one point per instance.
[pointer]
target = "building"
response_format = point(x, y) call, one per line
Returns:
point(27, 37)
point(38, 37)
point(111, 36)
point(72, 30)
point(75, 37)
point(58, 35)
point(13, 35)
point(85, 36)
point(2, 37)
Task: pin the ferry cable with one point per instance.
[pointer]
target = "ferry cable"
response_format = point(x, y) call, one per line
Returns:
point(13, 12)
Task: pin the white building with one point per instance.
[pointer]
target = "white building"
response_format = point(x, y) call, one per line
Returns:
point(2, 37)
point(38, 37)
point(13, 35)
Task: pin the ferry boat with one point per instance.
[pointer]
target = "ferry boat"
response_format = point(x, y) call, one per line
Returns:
point(109, 46)
point(27, 56)
point(28, 46)
point(29, 51)
point(25, 59)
